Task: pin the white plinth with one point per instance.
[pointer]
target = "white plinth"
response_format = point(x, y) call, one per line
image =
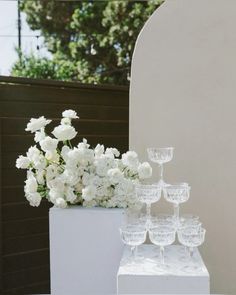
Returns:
point(146, 278)
point(85, 250)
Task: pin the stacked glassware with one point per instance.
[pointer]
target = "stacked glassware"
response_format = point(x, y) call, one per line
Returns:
point(162, 228)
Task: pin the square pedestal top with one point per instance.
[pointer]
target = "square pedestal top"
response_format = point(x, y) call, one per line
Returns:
point(147, 276)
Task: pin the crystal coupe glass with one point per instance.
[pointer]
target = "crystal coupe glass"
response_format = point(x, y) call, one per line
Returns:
point(191, 237)
point(133, 236)
point(160, 156)
point(176, 194)
point(148, 194)
point(162, 236)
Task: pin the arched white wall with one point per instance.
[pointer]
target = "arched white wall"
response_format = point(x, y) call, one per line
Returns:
point(183, 94)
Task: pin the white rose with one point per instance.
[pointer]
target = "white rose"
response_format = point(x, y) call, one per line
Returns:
point(78, 187)
point(99, 150)
point(55, 194)
point(37, 124)
point(65, 121)
point(144, 170)
point(34, 199)
point(70, 114)
point(39, 135)
point(57, 184)
point(52, 171)
point(33, 152)
point(103, 164)
point(64, 152)
point(22, 162)
point(40, 174)
point(84, 144)
point(31, 185)
point(112, 152)
point(70, 195)
point(52, 156)
point(130, 159)
point(70, 176)
point(48, 144)
point(115, 175)
point(88, 193)
point(64, 132)
point(40, 162)
point(61, 203)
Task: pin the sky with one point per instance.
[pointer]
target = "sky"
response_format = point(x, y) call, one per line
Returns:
point(9, 39)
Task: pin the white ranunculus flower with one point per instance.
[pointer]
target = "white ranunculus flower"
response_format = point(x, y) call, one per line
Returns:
point(71, 114)
point(84, 144)
point(70, 176)
point(22, 162)
point(144, 170)
point(57, 184)
point(39, 135)
point(31, 185)
point(99, 150)
point(125, 188)
point(40, 174)
point(89, 192)
point(115, 175)
point(52, 171)
point(112, 152)
point(33, 152)
point(64, 152)
point(130, 159)
point(78, 187)
point(52, 156)
point(48, 144)
point(54, 194)
point(34, 199)
point(61, 203)
point(103, 164)
point(64, 132)
point(40, 162)
point(36, 124)
point(65, 121)
point(70, 195)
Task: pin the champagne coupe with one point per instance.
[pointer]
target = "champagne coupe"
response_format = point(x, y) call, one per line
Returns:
point(133, 236)
point(191, 237)
point(148, 194)
point(176, 194)
point(162, 236)
point(160, 156)
point(163, 219)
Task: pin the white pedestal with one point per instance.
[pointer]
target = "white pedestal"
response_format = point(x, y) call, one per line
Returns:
point(85, 250)
point(146, 278)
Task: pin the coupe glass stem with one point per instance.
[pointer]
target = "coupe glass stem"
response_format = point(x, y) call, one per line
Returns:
point(161, 172)
point(190, 252)
point(149, 211)
point(176, 213)
point(133, 252)
point(162, 255)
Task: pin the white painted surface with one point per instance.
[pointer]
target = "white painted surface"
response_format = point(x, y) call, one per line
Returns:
point(183, 94)
point(146, 277)
point(85, 250)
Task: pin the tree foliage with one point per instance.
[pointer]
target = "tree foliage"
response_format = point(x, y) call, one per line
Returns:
point(90, 41)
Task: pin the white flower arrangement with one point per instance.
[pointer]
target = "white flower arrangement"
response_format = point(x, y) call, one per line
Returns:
point(79, 175)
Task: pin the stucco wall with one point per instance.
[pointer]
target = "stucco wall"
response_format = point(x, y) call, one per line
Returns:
point(183, 94)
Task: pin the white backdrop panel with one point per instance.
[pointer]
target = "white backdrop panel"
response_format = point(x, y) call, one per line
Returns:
point(183, 94)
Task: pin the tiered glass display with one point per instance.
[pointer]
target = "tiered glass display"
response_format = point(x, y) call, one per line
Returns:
point(162, 228)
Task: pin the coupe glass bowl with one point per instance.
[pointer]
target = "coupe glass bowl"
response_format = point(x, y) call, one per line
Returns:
point(191, 237)
point(148, 194)
point(162, 236)
point(160, 156)
point(133, 236)
point(177, 194)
